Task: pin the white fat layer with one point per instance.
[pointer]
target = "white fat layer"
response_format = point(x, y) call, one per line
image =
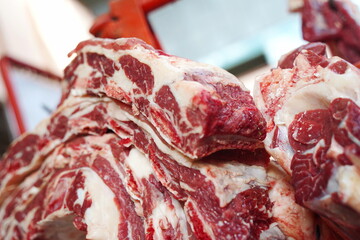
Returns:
point(291, 218)
point(164, 73)
point(180, 214)
point(348, 181)
point(335, 148)
point(77, 92)
point(186, 187)
point(85, 106)
point(41, 128)
point(83, 70)
point(259, 98)
point(333, 183)
point(319, 95)
point(273, 232)
point(282, 197)
point(345, 181)
point(284, 152)
point(113, 109)
point(139, 164)
point(159, 216)
point(300, 102)
point(184, 91)
point(165, 69)
point(355, 159)
point(102, 217)
point(80, 196)
point(120, 79)
point(31, 192)
point(231, 179)
point(164, 217)
point(316, 148)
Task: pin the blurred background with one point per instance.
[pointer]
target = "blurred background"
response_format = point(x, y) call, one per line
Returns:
point(241, 36)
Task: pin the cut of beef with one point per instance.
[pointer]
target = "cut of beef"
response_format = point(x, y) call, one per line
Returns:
point(196, 108)
point(312, 112)
point(149, 184)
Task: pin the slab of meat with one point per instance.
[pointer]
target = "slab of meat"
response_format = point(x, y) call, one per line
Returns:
point(67, 197)
point(152, 187)
point(226, 179)
point(196, 108)
point(312, 112)
point(335, 22)
point(91, 192)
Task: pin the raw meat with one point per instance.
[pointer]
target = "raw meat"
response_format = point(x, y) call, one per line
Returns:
point(335, 22)
point(312, 113)
point(151, 186)
point(64, 199)
point(230, 178)
point(196, 108)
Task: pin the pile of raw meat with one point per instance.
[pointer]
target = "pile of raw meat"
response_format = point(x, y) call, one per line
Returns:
point(145, 145)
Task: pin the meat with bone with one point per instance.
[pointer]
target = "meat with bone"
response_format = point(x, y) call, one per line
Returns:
point(312, 113)
point(229, 194)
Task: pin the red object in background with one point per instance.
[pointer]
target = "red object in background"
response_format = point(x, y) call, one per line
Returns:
point(5, 67)
point(127, 18)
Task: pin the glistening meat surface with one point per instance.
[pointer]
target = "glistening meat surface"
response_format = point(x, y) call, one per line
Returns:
point(311, 104)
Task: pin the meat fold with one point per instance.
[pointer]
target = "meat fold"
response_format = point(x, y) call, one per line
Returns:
point(101, 165)
point(312, 113)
